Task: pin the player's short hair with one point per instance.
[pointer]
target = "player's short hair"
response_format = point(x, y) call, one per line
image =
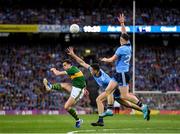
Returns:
point(95, 66)
point(68, 61)
point(125, 36)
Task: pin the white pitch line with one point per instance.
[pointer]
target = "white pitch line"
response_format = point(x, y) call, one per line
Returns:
point(109, 130)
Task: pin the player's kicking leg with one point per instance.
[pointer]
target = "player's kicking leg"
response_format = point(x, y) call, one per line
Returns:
point(76, 94)
point(57, 86)
point(48, 85)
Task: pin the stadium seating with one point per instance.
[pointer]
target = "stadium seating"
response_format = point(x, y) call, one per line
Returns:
point(103, 16)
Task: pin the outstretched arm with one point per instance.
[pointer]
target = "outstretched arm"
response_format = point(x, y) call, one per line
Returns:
point(56, 72)
point(109, 60)
point(70, 51)
point(121, 20)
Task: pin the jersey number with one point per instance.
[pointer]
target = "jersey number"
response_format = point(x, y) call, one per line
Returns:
point(128, 57)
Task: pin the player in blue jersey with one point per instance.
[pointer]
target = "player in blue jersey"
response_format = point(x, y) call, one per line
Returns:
point(121, 78)
point(102, 80)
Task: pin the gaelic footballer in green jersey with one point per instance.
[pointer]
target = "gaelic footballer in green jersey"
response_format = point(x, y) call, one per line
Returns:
point(76, 89)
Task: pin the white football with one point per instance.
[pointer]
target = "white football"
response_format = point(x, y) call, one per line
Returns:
point(74, 28)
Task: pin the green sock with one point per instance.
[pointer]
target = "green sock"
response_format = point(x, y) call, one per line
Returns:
point(56, 86)
point(72, 112)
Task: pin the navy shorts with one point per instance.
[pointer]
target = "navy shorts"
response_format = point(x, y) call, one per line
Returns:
point(116, 94)
point(122, 78)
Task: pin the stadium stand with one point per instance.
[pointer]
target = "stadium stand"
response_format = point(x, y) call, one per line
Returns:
point(103, 12)
point(104, 16)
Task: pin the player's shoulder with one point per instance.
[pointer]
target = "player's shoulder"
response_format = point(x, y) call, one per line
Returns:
point(73, 68)
point(121, 48)
point(102, 70)
point(104, 73)
point(125, 47)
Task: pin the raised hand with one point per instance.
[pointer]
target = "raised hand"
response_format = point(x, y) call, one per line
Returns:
point(70, 51)
point(121, 18)
point(53, 69)
point(103, 59)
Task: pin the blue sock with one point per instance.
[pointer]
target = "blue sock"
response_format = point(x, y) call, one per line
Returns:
point(100, 119)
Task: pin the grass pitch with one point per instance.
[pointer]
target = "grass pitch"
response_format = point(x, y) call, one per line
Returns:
point(65, 124)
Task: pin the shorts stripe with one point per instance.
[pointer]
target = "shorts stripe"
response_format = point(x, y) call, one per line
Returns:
point(123, 79)
point(79, 95)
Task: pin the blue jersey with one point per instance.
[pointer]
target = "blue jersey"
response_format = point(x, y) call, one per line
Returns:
point(103, 80)
point(124, 55)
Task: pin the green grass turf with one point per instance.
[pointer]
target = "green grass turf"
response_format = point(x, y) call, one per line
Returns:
point(65, 124)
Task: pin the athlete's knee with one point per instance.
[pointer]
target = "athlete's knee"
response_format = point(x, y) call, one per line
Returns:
point(98, 99)
point(108, 92)
point(101, 97)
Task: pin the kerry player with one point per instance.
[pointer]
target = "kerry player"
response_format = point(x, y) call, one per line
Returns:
point(76, 90)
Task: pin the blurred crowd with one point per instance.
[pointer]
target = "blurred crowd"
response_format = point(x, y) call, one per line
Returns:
point(162, 101)
point(94, 16)
point(23, 68)
point(159, 69)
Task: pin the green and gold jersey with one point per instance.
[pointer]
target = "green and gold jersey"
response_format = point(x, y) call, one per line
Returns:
point(77, 77)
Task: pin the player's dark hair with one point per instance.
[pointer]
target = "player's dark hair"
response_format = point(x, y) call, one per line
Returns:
point(68, 61)
point(95, 66)
point(125, 36)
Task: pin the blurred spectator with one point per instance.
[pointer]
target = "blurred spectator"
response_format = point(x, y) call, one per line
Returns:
point(95, 16)
point(158, 70)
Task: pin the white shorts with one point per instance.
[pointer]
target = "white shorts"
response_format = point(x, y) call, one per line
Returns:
point(77, 93)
